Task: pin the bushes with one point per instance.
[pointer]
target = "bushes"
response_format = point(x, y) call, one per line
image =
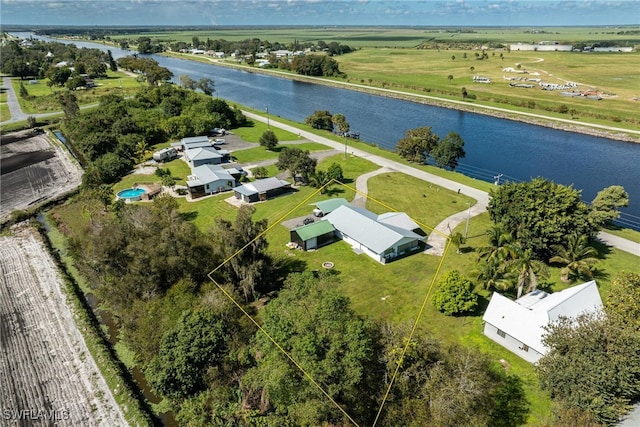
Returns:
point(455, 294)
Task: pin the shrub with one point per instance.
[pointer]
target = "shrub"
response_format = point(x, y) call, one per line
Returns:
point(454, 294)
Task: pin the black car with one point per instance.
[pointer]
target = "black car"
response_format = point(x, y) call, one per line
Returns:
point(308, 220)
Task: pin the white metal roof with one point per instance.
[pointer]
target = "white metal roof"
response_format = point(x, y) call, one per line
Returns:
point(525, 318)
point(202, 154)
point(363, 226)
point(206, 174)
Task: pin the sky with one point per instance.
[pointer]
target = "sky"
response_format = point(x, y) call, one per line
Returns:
point(321, 12)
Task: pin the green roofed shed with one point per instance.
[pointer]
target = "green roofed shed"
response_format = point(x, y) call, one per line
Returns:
point(313, 235)
point(330, 205)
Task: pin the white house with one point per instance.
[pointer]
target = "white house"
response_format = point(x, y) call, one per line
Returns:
point(381, 237)
point(210, 179)
point(519, 325)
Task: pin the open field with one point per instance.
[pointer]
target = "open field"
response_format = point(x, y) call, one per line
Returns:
point(394, 36)
point(613, 75)
point(48, 375)
point(34, 170)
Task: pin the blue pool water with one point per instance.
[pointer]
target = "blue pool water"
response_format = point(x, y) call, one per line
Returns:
point(131, 193)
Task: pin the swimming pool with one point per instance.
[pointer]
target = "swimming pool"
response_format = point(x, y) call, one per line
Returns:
point(131, 194)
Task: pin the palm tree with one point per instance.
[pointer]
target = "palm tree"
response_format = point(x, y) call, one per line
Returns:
point(458, 239)
point(489, 274)
point(525, 268)
point(498, 241)
point(577, 257)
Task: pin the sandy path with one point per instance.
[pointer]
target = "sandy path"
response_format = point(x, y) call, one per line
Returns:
point(47, 375)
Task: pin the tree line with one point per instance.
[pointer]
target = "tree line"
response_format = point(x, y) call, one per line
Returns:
point(39, 59)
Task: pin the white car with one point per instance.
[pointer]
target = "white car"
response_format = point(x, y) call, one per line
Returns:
point(219, 141)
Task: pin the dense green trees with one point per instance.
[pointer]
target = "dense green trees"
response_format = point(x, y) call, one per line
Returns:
point(321, 119)
point(243, 246)
point(312, 322)
point(604, 208)
point(540, 214)
point(41, 57)
point(416, 144)
point(593, 365)
point(421, 144)
point(447, 386)
point(448, 151)
point(316, 65)
point(298, 162)
point(149, 68)
point(197, 342)
point(124, 128)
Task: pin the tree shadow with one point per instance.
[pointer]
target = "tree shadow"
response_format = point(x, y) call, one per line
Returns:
point(333, 191)
point(189, 216)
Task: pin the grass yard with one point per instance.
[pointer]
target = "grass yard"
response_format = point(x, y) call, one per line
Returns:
point(425, 203)
point(254, 131)
point(257, 154)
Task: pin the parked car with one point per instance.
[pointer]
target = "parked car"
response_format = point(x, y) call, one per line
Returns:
point(308, 220)
point(317, 213)
point(219, 141)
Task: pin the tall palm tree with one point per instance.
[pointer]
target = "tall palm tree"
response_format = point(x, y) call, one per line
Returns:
point(577, 256)
point(525, 268)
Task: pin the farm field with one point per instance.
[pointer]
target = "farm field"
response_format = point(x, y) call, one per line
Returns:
point(34, 170)
point(357, 36)
point(47, 372)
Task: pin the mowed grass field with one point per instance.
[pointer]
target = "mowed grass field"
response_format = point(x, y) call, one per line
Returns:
point(427, 71)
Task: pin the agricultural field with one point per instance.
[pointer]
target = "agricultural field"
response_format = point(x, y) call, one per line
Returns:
point(34, 170)
point(48, 375)
point(395, 37)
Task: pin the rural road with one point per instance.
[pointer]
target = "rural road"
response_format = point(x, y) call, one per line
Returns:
point(436, 240)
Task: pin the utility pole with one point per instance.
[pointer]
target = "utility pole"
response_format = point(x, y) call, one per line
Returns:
point(496, 179)
point(267, 108)
point(466, 228)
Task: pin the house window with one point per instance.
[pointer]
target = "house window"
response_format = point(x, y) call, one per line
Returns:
point(501, 333)
point(525, 347)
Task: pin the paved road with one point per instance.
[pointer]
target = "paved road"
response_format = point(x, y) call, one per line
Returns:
point(12, 102)
point(437, 239)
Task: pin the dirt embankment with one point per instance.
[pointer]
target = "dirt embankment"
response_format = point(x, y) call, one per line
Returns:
point(47, 374)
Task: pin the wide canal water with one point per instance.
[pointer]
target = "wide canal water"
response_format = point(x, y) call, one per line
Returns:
point(493, 146)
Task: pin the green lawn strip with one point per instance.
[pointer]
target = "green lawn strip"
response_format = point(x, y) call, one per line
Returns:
point(5, 114)
point(254, 131)
point(625, 233)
